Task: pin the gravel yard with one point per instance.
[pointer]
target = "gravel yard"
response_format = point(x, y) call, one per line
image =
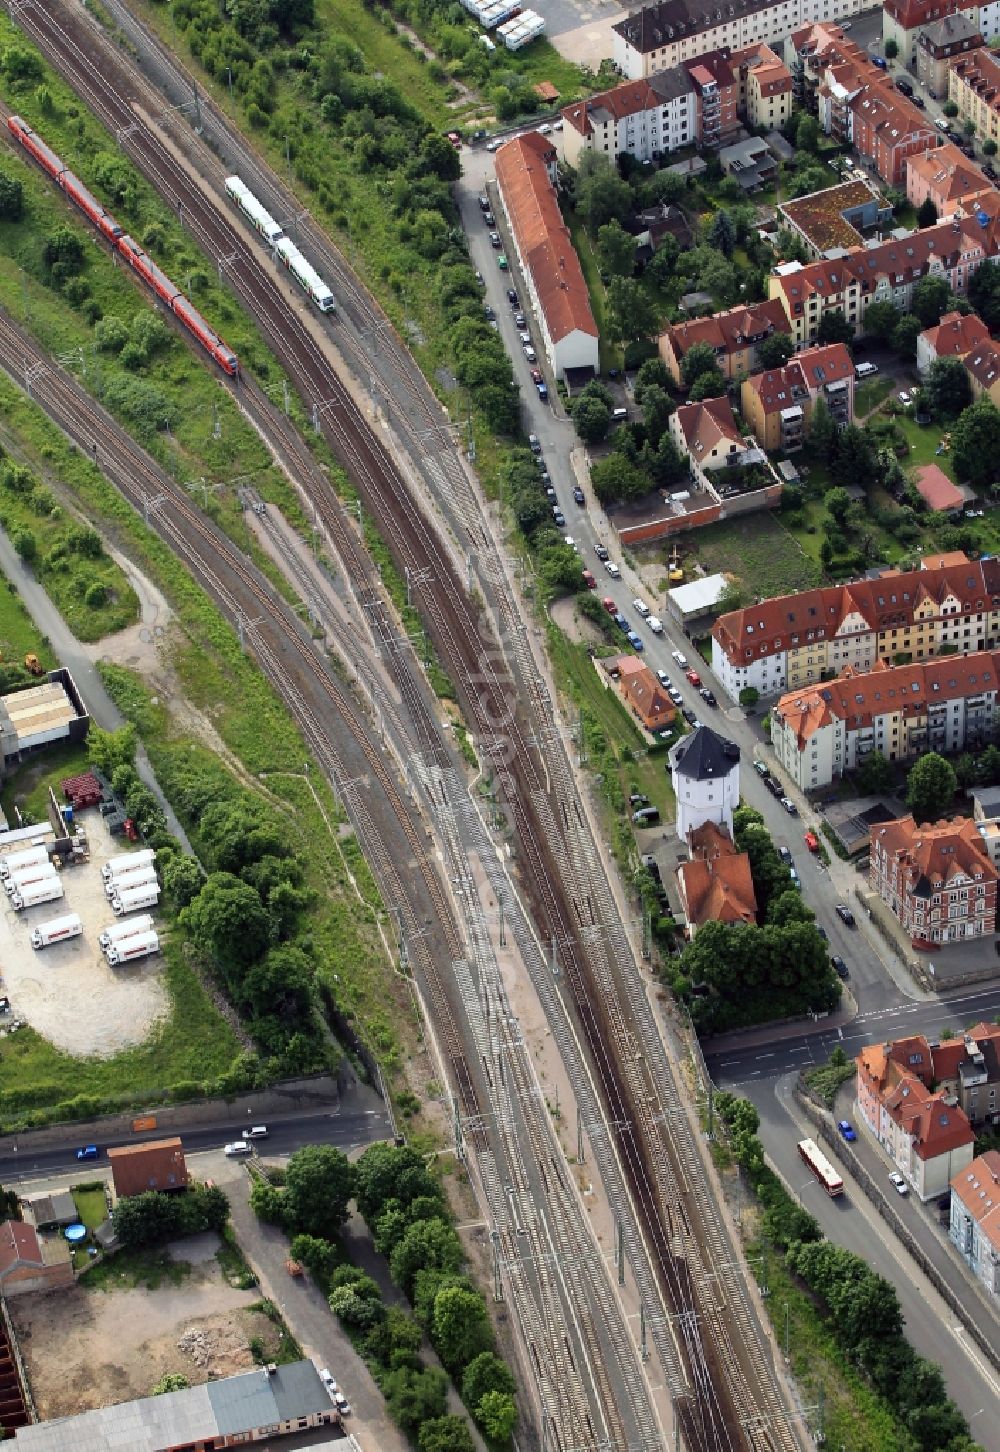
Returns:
point(67, 992)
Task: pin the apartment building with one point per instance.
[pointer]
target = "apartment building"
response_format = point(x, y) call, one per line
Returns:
point(819, 732)
point(983, 367)
point(974, 1221)
point(791, 641)
point(644, 119)
point(664, 35)
point(884, 273)
point(936, 879)
point(903, 20)
point(778, 403)
point(765, 82)
point(924, 1131)
point(734, 336)
point(974, 86)
point(952, 182)
point(954, 336)
point(940, 42)
point(525, 172)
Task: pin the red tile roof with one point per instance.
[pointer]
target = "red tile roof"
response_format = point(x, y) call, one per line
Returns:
point(156, 1165)
point(645, 695)
point(936, 489)
point(984, 365)
point(621, 101)
point(932, 854)
point(729, 331)
point(543, 237)
point(981, 71)
point(949, 175)
point(956, 334)
point(803, 375)
point(19, 1244)
point(716, 884)
point(935, 1126)
point(978, 1188)
point(945, 561)
point(706, 424)
point(909, 14)
point(785, 620)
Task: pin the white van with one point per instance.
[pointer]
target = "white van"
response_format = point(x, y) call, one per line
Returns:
point(655, 624)
point(865, 370)
point(259, 1131)
point(241, 1147)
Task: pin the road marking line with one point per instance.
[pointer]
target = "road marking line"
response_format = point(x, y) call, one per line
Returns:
point(765, 1056)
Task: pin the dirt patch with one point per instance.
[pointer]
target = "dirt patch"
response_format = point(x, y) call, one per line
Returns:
point(574, 625)
point(67, 992)
point(138, 646)
point(89, 1348)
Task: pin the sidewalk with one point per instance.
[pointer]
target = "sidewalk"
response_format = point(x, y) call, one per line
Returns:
point(768, 1034)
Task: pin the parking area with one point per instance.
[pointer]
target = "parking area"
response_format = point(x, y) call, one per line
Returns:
point(66, 991)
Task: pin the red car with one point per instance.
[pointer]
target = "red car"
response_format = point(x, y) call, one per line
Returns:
point(589, 581)
point(812, 841)
point(609, 605)
point(693, 677)
point(455, 137)
point(536, 376)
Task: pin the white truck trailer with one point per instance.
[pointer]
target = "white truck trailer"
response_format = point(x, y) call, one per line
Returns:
point(26, 875)
point(50, 889)
point(142, 875)
point(56, 930)
point(127, 928)
point(127, 862)
point(26, 858)
point(129, 900)
point(130, 949)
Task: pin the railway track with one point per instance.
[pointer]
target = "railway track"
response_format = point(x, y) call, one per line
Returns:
point(722, 1404)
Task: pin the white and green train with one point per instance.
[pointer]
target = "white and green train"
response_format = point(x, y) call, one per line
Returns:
point(284, 248)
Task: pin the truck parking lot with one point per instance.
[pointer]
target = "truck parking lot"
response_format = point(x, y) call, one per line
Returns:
point(66, 990)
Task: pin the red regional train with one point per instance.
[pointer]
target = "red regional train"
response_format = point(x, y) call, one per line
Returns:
point(133, 254)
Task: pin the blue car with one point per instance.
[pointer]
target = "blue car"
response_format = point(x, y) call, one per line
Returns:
point(635, 641)
point(847, 1129)
point(622, 623)
point(88, 1152)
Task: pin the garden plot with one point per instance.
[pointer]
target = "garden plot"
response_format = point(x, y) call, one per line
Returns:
point(67, 992)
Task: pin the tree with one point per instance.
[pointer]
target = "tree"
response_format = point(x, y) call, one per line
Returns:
point(904, 339)
point(11, 198)
point(748, 698)
point(950, 108)
point(730, 597)
point(228, 923)
point(653, 372)
point(807, 132)
point(856, 459)
point(975, 443)
point(445, 1434)
point(601, 194)
point(890, 49)
point(822, 429)
point(415, 1397)
point(26, 545)
point(486, 1373)
point(182, 880)
point(946, 388)
point(838, 503)
point(698, 359)
point(834, 328)
point(427, 1245)
point(881, 319)
point(657, 406)
point(616, 246)
point(460, 1327)
point(989, 147)
point(319, 1257)
point(969, 126)
point(319, 1182)
point(930, 787)
point(173, 1381)
point(775, 350)
point(927, 213)
point(632, 315)
point(874, 775)
point(496, 1414)
point(591, 419)
point(722, 233)
point(388, 1172)
point(709, 384)
point(984, 293)
point(931, 296)
point(616, 481)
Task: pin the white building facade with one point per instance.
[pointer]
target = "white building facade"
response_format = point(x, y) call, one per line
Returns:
point(705, 775)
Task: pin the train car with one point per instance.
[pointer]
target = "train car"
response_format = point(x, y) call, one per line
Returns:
point(148, 270)
point(253, 210)
point(196, 324)
point(88, 203)
point(36, 147)
point(305, 275)
point(821, 1167)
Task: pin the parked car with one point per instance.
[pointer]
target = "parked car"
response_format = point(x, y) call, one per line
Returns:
point(847, 1130)
point(693, 676)
point(488, 313)
point(898, 1183)
point(688, 715)
point(760, 768)
point(655, 624)
point(558, 516)
point(589, 580)
point(675, 695)
point(789, 806)
point(921, 105)
point(774, 787)
point(502, 262)
point(609, 605)
point(811, 841)
point(542, 390)
point(495, 240)
point(663, 679)
point(635, 641)
point(455, 137)
point(708, 696)
point(785, 854)
point(612, 569)
point(640, 607)
point(520, 321)
point(530, 353)
point(622, 622)
point(578, 495)
point(680, 659)
point(524, 336)
point(489, 219)
point(601, 551)
point(845, 915)
point(905, 86)
point(534, 444)
point(646, 816)
point(87, 1152)
point(839, 967)
point(512, 298)
point(905, 397)
point(484, 202)
point(638, 799)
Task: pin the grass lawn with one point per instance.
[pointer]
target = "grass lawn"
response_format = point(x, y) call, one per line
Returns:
point(868, 396)
point(29, 785)
point(923, 440)
point(91, 1206)
point(611, 356)
point(765, 557)
point(130, 1268)
point(386, 52)
point(18, 635)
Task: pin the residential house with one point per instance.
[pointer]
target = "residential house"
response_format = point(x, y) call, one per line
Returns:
point(705, 776)
point(936, 879)
point(158, 1164)
point(983, 368)
point(716, 884)
point(924, 1132)
point(790, 641)
point(936, 489)
point(641, 692)
point(974, 1221)
point(707, 432)
point(778, 404)
point(940, 42)
point(765, 88)
point(253, 1406)
point(834, 219)
point(974, 86)
point(956, 335)
point(948, 704)
point(525, 172)
point(750, 162)
point(673, 31)
point(31, 1262)
point(51, 1212)
point(734, 336)
point(903, 20)
point(952, 182)
point(965, 1067)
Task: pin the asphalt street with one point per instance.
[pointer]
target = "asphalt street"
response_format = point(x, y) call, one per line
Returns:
point(284, 1135)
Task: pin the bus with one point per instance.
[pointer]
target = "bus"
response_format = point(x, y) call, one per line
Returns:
point(821, 1167)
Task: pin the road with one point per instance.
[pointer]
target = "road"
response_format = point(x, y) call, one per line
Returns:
point(285, 1134)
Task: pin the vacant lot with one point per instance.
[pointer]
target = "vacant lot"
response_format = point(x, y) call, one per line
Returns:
point(764, 557)
point(85, 1348)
